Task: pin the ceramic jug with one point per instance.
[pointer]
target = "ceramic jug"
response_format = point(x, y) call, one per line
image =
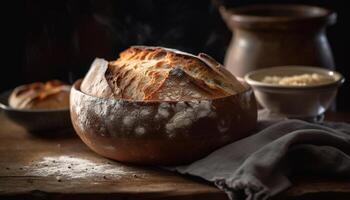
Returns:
point(276, 35)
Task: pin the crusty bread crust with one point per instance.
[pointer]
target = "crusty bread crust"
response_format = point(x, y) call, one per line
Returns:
point(156, 73)
point(50, 95)
point(95, 82)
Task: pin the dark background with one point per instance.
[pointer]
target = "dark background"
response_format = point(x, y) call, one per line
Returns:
point(59, 38)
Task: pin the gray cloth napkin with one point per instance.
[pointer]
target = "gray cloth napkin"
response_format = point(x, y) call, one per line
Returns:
point(257, 167)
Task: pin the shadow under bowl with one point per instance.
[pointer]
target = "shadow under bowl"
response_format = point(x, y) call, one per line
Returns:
point(160, 132)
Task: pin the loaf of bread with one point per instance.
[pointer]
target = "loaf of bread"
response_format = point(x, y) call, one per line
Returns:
point(160, 106)
point(155, 73)
point(53, 94)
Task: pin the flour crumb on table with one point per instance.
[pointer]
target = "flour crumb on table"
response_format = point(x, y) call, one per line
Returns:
point(69, 167)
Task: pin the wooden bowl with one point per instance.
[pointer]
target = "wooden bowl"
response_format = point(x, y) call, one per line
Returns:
point(46, 122)
point(162, 133)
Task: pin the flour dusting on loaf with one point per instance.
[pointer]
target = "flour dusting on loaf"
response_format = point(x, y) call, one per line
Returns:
point(155, 73)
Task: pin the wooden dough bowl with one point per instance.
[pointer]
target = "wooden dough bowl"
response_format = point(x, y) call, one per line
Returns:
point(160, 133)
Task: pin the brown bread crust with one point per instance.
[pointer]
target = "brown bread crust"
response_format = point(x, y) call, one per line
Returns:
point(156, 73)
point(52, 94)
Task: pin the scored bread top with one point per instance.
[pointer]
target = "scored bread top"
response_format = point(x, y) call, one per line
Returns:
point(156, 73)
point(52, 94)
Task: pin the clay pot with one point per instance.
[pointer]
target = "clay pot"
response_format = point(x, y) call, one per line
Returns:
point(166, 133)
point(277, 35)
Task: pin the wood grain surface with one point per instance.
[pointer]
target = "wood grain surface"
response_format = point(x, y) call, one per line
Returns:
point(57, 165)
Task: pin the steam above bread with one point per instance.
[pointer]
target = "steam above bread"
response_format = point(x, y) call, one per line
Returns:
point(155, 73)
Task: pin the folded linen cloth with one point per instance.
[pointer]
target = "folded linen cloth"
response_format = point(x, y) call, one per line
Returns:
point(257, 167)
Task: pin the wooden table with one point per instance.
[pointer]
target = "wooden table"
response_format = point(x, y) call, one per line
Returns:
point(62, 167)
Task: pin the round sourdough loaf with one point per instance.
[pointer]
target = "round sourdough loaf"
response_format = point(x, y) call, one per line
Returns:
point(154, 73)
point(52, 94)
point(156, 105)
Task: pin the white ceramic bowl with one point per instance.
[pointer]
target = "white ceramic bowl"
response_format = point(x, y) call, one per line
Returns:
point(294, 101)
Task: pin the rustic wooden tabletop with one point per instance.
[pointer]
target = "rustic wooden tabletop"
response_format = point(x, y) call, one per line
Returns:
point(62, 167)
